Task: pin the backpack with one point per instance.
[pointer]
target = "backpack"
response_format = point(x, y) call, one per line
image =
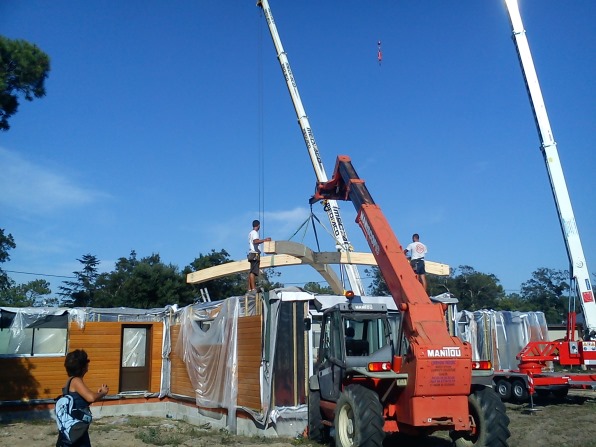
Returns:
point(72, 422)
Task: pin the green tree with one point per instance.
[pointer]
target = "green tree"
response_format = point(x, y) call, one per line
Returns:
point(109, 285)
point(315, 287)
point(513, 301)
point(220, 288)
point(6, 244)
point(81, 293)
point(378, 286)
point(143, 284)
point(548, 291)
point(231, 285)
point(30, 294)
point(475, 290)
point(23, 71)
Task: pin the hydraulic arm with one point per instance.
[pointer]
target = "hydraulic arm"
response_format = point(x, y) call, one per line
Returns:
point(580, 274)
point(330, 206)
point(437, 364)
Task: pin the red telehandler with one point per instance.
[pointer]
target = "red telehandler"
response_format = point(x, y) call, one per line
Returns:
point(371, 380)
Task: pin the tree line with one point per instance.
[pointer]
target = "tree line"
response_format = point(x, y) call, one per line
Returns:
point(148, 282)
point(548, 290)
point(135, 282)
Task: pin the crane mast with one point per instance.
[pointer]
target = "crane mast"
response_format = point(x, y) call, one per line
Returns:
point(330, 206)
point(578, 268)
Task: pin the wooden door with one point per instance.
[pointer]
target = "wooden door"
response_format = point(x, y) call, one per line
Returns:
point(135, 364)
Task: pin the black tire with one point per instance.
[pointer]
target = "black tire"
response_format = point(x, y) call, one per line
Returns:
point(490, 420)
point(316, 430)
point(519, 391)
point(503, 389)
point(359, 418)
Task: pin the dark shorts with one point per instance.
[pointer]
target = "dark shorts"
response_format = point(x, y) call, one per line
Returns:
point(83, 441)
point(418, 266)
point(255, 263)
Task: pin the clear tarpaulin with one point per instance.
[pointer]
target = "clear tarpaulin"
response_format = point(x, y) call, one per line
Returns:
point(33, 331)
point(207, 345)
point(28, 331)
point(499, 336)
point(133, 347)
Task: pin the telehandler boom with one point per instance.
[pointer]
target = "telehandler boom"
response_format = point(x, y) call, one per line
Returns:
point(366, 383)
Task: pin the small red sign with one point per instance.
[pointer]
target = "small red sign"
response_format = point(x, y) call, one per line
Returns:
point(588, 296)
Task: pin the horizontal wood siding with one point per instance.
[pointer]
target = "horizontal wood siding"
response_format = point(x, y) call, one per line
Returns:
point(179, 380)
point(25, 378)
point(156, 357)
point(43, 377)
point(103, 342)
point(249, 362)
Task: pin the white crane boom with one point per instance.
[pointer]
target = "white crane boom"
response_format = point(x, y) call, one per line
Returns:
point(330, 206)
point(578, 267)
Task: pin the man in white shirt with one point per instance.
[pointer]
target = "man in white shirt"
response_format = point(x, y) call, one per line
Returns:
point(254, 254)
point(415, 252)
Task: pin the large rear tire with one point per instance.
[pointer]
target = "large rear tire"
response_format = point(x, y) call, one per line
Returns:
point(316, 430)
point(359, 418)
point(491, 423)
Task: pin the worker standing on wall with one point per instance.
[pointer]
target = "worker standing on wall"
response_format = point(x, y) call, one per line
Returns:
point(254, 254)
point(415, 252)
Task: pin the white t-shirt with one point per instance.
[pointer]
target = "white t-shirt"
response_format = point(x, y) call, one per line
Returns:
point(252, 247)
point(416, 250)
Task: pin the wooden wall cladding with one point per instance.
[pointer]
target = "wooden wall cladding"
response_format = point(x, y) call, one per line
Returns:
point(249, 362)
point(102, 342)
point(156, 357)
point(25, 378)
point(179, 380)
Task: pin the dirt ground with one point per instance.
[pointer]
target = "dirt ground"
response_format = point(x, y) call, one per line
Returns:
point(567, 423)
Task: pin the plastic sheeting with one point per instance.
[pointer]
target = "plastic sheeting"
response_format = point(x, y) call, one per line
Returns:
point(133, 347)
point(286, 360)
point(499, 336)
point(98, 314)
point(43, 331)
point(208, 346)
point(33, 331)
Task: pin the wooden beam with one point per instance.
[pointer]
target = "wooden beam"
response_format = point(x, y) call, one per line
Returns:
point(336, 257)
point(278, 260)
point(284, 253)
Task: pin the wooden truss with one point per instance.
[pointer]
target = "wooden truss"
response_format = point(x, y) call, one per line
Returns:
point(284, 253)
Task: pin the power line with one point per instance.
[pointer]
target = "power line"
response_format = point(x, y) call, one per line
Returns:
point(40, 274)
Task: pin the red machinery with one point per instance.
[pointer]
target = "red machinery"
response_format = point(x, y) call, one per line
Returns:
point(535, 355)
point(426, 384)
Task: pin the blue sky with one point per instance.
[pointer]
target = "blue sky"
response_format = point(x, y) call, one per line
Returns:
point(158, 116)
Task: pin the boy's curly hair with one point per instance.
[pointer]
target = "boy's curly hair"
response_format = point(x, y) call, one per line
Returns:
point(76, 363)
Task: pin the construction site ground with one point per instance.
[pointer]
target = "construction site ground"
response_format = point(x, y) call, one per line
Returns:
point(565, 423)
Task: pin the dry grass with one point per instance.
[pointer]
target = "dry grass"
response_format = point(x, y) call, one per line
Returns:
point(567, 423)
